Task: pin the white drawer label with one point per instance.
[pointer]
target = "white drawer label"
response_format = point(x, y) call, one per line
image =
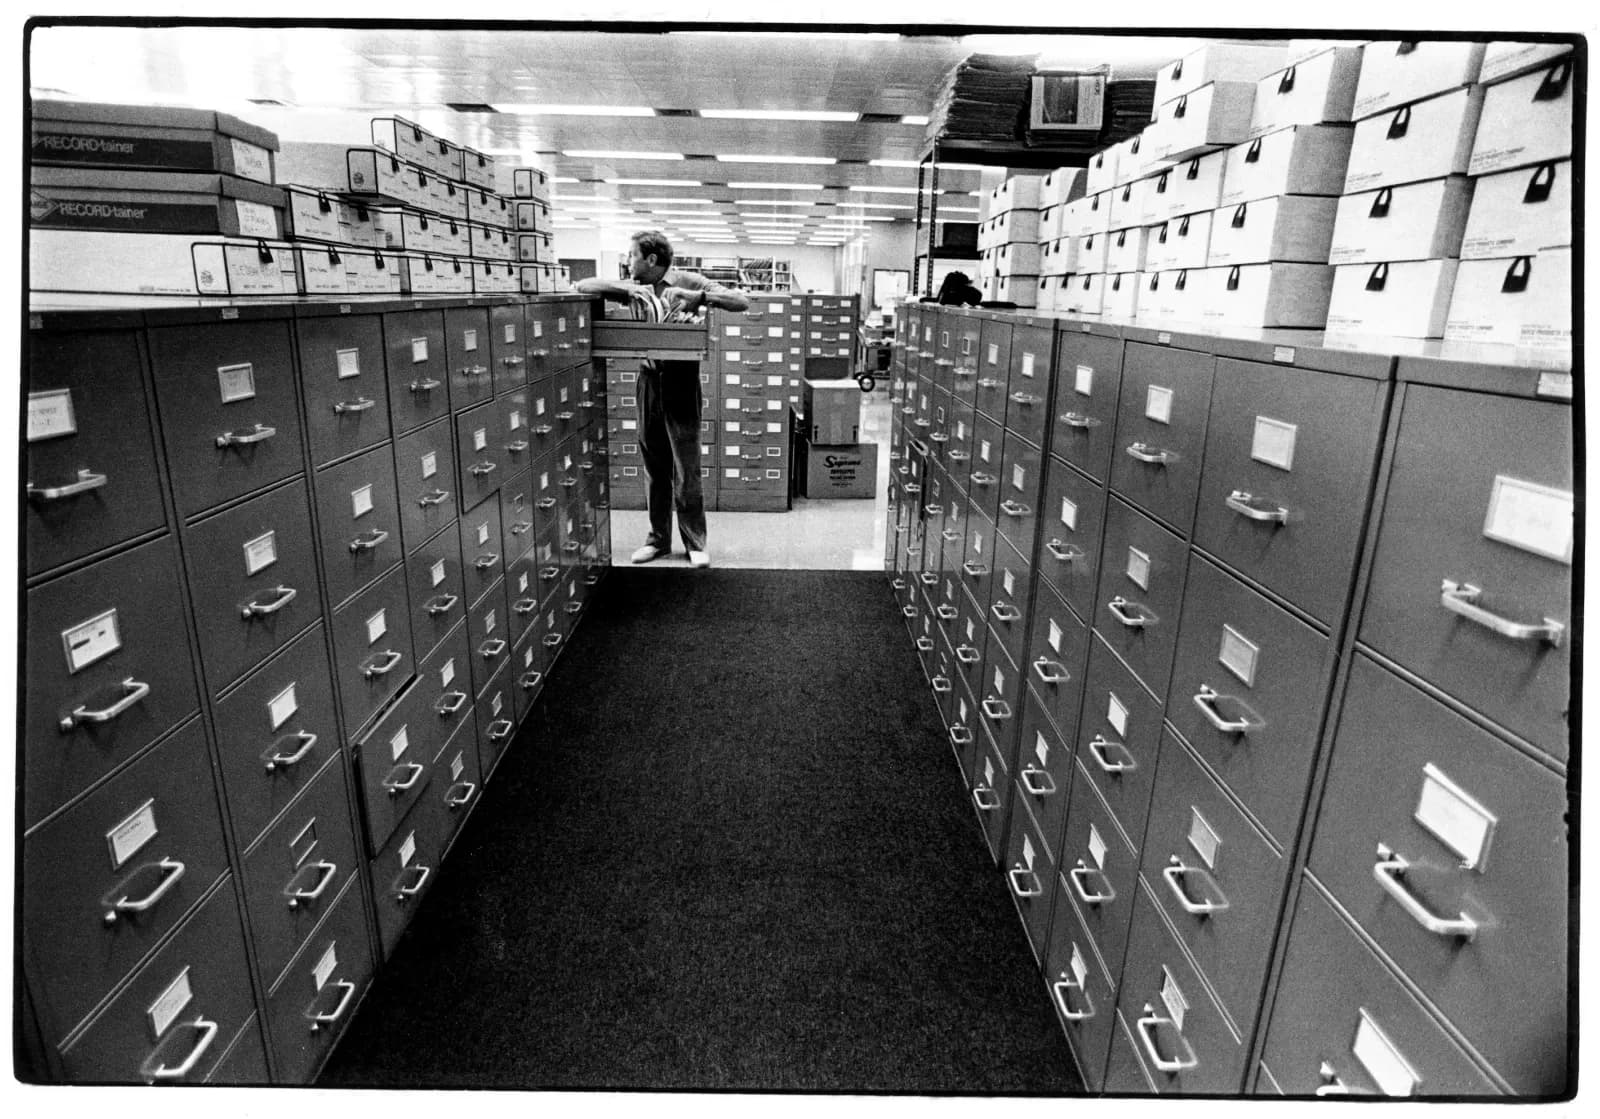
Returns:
point(728, 425)
point(1532, 517)
point(436, 572)
point(999, 680)
point(994, 354)
point(251, 161)
point(522, 583)
point(236, 382)
point(458, 765)
point(774, 452)
point(538, 329)
point(1027, 851)
point(400, 743)
point(538, 406)
point(961, 711)
point(348, 363)
point(1203, 838)
point(1139, 568)
point(447, 673)
point(430, 464)
point(1055, 636)
point(730, 452)
point(326, 966)
point(1116, 714)
point(511, 332)
point(377, 626)
point(988, 772)
point(1069, 513)
point(731, 472)
point(128, 837)
point(773, 406)
point(50, 414)
point(961, 431)
point(977, 543)
point(469, 340)
point(1172, 998)
point(1238, 655)
point(527, 657)
point(480, 438)
point(972, 628)
point(731, 355)
point(1010, 584)
point(515, 419)
point(1455, 818)
point(261, 552)
point(1273, 443)
point(1019, 478)
point(361, 501)
point(408, 849)
point(90, 640)
point(169, 1004)
point(1083, 380)
point(419, 350)
point(985, 450)
point(1391, 1072)
point(483, 533)
point(489, 622)
point(731, 331)
point(1080, 970)
point(495, 704)
point(1158, 404)
point(1041, 749)
point(281, 706)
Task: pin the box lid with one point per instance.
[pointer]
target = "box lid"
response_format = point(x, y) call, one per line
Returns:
point(170, 182)
point(154, 116)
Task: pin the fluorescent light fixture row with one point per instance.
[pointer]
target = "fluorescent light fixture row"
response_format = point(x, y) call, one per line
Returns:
point(885, 189)
point(578, 110)
point(912, 118)
point(585, 154)
point(880, 205)
point(771, 202)
point(775, 186)
point(651, 182)
point(778, 114)
point(676, 201)
point(818, 159)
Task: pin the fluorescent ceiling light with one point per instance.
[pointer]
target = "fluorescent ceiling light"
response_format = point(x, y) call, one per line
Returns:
point(651, 182)
point(913, 118)
point(585, 154)
point(962, 167)
point(880, 205)
point(678, 201)
point(821, 159)
point(563, 179)
point(771, 202)
point(774, 186)
point(778, 114)
point(684, 213)
point(598, 210)
point(770, 241)
point(886, 189)
point(879, 35)
point(958, 209)
point(896, 163)
point(578, 110)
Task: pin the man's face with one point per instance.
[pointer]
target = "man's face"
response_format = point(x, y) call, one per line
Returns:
point(642, 269)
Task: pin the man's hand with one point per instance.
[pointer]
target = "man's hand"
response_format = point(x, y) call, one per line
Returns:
point(683, 299)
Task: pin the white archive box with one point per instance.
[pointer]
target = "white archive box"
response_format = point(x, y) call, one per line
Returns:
point(526, 182)
point(985, 234)
point(1089, 253)
point(1319, 90)
point(427, 274)
point(1521, 301)
point(1214, 116)
point(1408, 299)
point(357, 225)
point(1056, 292)
point(411, 142)
point(1019, 191)
point(1426, 140)
point(1019, 258)
point(533, 247)
point(1196, 184)
point(1044, 293)
point(1015, 225)
point(1159, 246)
point(1127, 201)
point(1173, 296)
point(1416, 221)
point(1398, 73)
point(1519, 212)
point(1189, 239)
point(313, 215)
point(1084, 292)
point(357, 170)
point(445, 196)
point(1061, 185)
point(1020, 290)
point(488, 207)
point(531, 215)
point(490, 242)
point(477, 168)
point(1290, 227)
point(494, 277)
point(1058, 257)
point(1125, 250)
point(1301, 159)
point(1120, 294)
point(1228, 62)
point(1503, 59)
point(1152, 201)
point(1143, 156)
point(1548, 324)
point(83, 260)
point(1051, 221)
point(1101, 174)
point(1093, 214)
point(1525, 120)
point(1301, 49)
point(1275, 295)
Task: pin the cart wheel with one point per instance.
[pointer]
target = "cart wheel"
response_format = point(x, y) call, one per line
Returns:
point(866, 381)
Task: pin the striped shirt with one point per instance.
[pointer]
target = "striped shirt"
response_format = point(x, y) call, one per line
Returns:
point(646, 306)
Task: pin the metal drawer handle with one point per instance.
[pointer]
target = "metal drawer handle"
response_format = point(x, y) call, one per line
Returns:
point(425, 384)
point(1187, 1060)
point(388, 660)
point(282, 596)
point(571, 546)
point(171, 871)
point(500, 730)
point(911, 489)
point(404, 893)
point(1082, 871)
point(979, 478)
point(943, 361)
point(486, 561)
point(975, 569)
point(959, 456)
point(997, 709)
point(563, 345)
point(1066, 553)
point(909, 611)
point(960, 736)
point(949, 535)
point(552, 640)
point(396, 785)
point(933, 508)
point(454, 800)
point(1331, 1084)
point(1244, 504)
point(567, 483)
point(1051, 672)
point(967, 654)
point(512, 361)
point(360, 404)
point(929, 578)
point(450, 703)
point(1146, 453)
point(939, 437)
point(208, 1034)
point(347, 991)
point(1024, 883)
point(324, 871)
point(492, 648)
point(1097, 747)
point(548, 573)
point(1026, 398)
point(924, 644)
point(940, 684)
point(441, 605)
point(480, 469)
point(1177, 871)
point(1059, 989)
point(1389, 870)
point(543, 429)
point(369, 541)
point(963, 371)
point(565, 417)
point(517, 446)
point(1462, 599)
point(985, 798)
point(545, 503)
point(257, 434)
point(437, 497)
point(924, 423)
point(1003, 611)
point(573, 607)
point(135, 689)
point(474, 370)
point(1205, 700)
point(1015, 508)
point(1030, 780)
point(1078, 419)
point(87, 480)
point(276, 757)
point(947, 612)
point(988, 383)
point(1116, 607)
point(526, 606)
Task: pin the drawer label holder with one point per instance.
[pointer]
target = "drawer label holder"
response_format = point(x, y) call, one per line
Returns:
point(1454, 818)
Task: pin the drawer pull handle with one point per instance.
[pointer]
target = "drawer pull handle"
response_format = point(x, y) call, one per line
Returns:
point(1175, 874)
point(946, 612)
point(979, 478)
point(491, 649)
point(530, 680)
point(997, 709)
point(1059, 989)
point(369, 541)
point(324, 872)
point(282, 596)
point(511, 362)
point(967, 654)
point(933, 508)
point(1003, 611)
point(548, 573)
point(404, 893)
point(960, 736)
point(940, 684)
point(551, 640)
point(573, 607)
point(1051, 672)
point(1078, 420)
point(1389, 870)
point(943, 361)
point(425, 384)
point(545, 503)
point(208, 1034)
point(1147, 1024)
point(1099, 745)
point(1245, 505)
point(591, 580)
point(486, 561)
point(258, 434)
point(276, 757)
point(1146, 453)
point(959, 456)
point(359, 404)
point(171, 871)
point(397, 785)
point(1024, 882)
point(985, 798)
point(924, 644)
point(135, 691)
point(454, 799)
point(988, 383)
point(517, 446)
point(87, 480)
point(1031, 780)
point(1014, 508)
point(1331, 1084)
point(565, 417)
point(929, 578)
point(1462, 599)
point(543, 429)
point(441, 605)
point(911, 489)
point(382, 664)
point(526, 606)
point(500, 730)
point(437, 497)
point(450, 703)
point(963, 371)
point(1066, 553)
point(1026, 399)
point(481, 469)
point(563, 345)
point(474, 370)
point(909, 611)
point(347, 991)
point(1139, 621)
point(571, 546)
point(1080, 873)
point(1206, 700)
point(567, 483)
point(975, 569)
point(939, 437)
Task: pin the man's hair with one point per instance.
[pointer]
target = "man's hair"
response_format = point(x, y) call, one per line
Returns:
point(653, 242)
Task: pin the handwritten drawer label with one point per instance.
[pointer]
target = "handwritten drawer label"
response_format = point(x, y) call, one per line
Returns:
point(348, 362)
point(511, 332)
point(361, 501)
point(480, 438)
point(1139, 568)
point(1083, 380)
point(236, 382)
point(1532, 517)
point(1158, 404)
point(1116, 714)
point(430, 464)
point(1273, 442)
point(1203, 838)
point(262, 552)
point(90, 640)
point(169, 1004)
point(400, 743)
point(419, 350)
point(1239, 655)
point(469, 340)
point(50, 414)
point(127, 838)
point(377, 626)
point(1454, 817)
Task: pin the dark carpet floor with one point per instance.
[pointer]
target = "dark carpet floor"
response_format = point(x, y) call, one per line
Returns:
point(736, 855)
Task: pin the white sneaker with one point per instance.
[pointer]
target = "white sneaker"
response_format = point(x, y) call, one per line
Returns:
point(699, 559)
point(648, 553)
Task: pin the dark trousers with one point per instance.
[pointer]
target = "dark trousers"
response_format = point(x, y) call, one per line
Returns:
point(669, 440)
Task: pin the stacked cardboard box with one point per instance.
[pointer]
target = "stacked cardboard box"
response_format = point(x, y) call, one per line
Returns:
point(1008, 240)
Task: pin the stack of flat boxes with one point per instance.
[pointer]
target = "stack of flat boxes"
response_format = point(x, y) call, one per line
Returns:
point(1057, 194)
point(1008, 241)
point(537, 267)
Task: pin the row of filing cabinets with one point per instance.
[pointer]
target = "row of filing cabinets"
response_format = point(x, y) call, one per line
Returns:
point(1248, 648)
point(266, 682)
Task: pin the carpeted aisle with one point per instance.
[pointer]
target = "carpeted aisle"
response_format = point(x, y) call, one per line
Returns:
point(737, 855)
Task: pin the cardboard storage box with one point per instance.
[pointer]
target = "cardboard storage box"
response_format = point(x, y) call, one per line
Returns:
point(1215, 115)
point(1196, 185)
point(1159, 246)
point(1525, 120)
point(94, 134)
point(1144, 155)
point(1089, 254)
point(1152, 201)
point(312, 215)
point(413, 143)
point(1189, 240)
point(340, 167)
point(1399, 73)
point(1064, 184)
point(1019, 259)
point(1408, 299)
point(531, 216)
point(1291, 227)
point(427, 274)
point(1015, 225)
point(1019, 191)
point(477, 168)
point(1217, 62)
point(1050, 222)
point(154, 202)
point(496, 277)
point(1503, 59)
point(1095, 217)
point(489, 242)
point(1412, 222)
point(1548, 323)
point(1519, 212)
point(1319, 90)
point(839, 469)
point(1044, 293)
point(1125, 250)
point(1127, 201)
point(1084, 294)
point(1267, 296)
point(1120, 298)
point(1427, 140)
point(533, 247)
point(1101, 174)
point(1016, 289)
point(1302, 159)
point(488, 207)
point(1520, 301)
point(81, 260)
point(526, 182)
point(1176, 295)
point(832, 410)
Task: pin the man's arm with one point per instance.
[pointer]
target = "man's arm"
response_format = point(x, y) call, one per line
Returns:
point(692, 291)
point(614, 290)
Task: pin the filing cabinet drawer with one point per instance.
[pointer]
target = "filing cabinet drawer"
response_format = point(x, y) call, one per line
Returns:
point(1100, 870)
point(394, 757)
point(445, 679)
point(1044, 772)
point(1161, 431)
point(966, 741)
point(1021, 485)
point(404, 870)
point(970, 642)
point(226, 393)
point(1081, 991)
point(990, 792)
point(140, 850)
point(344, 381)
point(372, 648)
point(421, 368)
point(290, 878)
point(358, 518)
point(1058, 647)
point(91, 452)
point(489, 635)
point(275, 731)
point(985, 475)
point(538, 324)
point(1009, 592)
point(1480, 499)
point(516, 516)
point(1030, 875)
point(978, 559)
point(1000, 698)
point(622, 423)
point(469, 360)
point(1028, 388)
point(171, 1023)
point(1249, 683)
point(458, 782)
point(1118, 740)
point(436, 590)
point(1125, 1071)
point(245, 1062)
point(1342, 1024)
point(964, 373)
point(523, 590)
point(1072, 515)
point(481, 460)
point(1288, 466)
point(994, 369)
point(481, 561)
point(108, 672)
point(1142, 572)
point(495, 715)
point(952, 535)
point(527, 669)
point(1084, 412)
point(507, 347)
point(1446, 846)
point(425, 476)
point(512, 433)
point(317, 996)
point(544, 488)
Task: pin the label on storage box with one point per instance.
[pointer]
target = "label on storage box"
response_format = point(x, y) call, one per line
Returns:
point(90, 640)
point(251, 162)
point(1532, 517)
point(127, 838)
point(256, 219)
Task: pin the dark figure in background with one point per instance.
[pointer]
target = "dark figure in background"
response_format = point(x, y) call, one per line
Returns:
point(669, 391)
point(957, 291)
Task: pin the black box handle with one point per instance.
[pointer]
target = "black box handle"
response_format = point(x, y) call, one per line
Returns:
point(1555, 81)
point(1380, 204)
point(1194, 170)
point(1378, 278)
point(1544, 177)
point(1286, 83)
point(1183, 280)
point(1238, 216)
point(1253, 153)
point(1517, 275)
point(1233, 278)
point(1183, 108)
point(1401, 122)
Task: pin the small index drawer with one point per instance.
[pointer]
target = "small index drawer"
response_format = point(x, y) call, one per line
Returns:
point(1161, 431)
point(425, 475)
point(420, 367)
point(395, 758)
point(345, 384)
point(358, 518)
